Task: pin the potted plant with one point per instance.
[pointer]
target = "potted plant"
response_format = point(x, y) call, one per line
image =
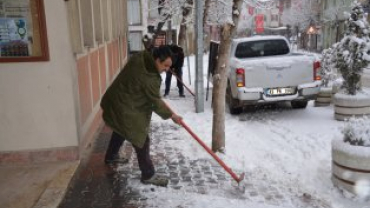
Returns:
point(351, 158)
point(350, 58)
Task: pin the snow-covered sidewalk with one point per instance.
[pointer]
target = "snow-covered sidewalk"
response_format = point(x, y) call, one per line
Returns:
point(285, 154)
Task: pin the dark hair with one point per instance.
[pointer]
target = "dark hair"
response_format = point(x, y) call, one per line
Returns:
point(178, 56)
point(176, 49)
point(162, 53)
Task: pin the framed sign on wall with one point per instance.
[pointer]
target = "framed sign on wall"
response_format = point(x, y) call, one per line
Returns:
point(23, 36)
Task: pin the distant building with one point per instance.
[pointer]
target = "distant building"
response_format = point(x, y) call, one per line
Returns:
point(332, 20)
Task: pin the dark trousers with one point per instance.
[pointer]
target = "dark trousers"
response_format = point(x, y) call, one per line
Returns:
point(143, 154)
point(178, 73)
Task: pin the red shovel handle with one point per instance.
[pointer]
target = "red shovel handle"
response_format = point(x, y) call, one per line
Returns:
point(178, 78)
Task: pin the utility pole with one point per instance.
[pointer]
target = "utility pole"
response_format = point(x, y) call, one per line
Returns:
point(199, 82)
point(169, 39)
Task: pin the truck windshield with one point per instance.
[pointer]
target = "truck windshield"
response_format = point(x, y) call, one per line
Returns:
point(261, 48)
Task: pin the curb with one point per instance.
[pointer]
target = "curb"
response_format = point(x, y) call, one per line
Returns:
point(57, 188)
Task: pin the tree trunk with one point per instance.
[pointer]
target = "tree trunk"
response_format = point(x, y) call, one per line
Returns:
point(186, 12)
point(220, 80)
point(219, 91)
point(182, 36)
point(205, 14)
point(169, 39)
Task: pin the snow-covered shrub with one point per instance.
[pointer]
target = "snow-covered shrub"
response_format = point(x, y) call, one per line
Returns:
point(328, 70)
point(356, 131)
point(352, 51)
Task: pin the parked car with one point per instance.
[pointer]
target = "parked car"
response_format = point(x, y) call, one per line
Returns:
point(264, 70)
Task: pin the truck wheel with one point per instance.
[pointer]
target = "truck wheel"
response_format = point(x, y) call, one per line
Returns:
point(232, 102)
point(299, 104)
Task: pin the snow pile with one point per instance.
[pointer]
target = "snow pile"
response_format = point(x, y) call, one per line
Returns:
point(361, 96)
point(357, 131)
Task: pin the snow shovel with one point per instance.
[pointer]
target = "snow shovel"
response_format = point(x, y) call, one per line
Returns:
point(235, 177)
point(178, 78)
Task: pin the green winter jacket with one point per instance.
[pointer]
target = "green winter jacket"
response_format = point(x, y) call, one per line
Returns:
point(133, 96)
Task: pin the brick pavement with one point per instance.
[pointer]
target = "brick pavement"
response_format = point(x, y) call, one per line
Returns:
point(96, 185)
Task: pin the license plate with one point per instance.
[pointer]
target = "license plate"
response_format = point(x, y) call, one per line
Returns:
point(280, 91)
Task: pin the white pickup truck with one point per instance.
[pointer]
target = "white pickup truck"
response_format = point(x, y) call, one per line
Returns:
point(263, 70)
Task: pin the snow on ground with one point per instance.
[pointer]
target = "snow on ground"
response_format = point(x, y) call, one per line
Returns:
point(280, 147)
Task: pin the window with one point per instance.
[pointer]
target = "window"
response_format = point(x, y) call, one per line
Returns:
point(98, 21)
point(274, 17)
point(23, 31)
point(135, 41)
point(87, 23)
point(261, 48)
point(134, 12)
point(153, 11)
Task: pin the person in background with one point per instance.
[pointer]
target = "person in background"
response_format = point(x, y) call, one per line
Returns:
point(147, 42)
point(178, 62)
point(128, 105)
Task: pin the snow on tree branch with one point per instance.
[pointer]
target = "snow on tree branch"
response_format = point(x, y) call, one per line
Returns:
point(162, 10)
point(261, 4)
point(220, 12)
point(301, 13)
point(352, 51)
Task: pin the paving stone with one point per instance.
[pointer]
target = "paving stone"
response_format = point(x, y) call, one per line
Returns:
point(206, 168)
point(161, 170)
point(172, 167)
point(208, 172)
point(197, 176)
point(189, 189)
point(182, 162)
point(187, 178)
point(174, 181)
point(279, 196)
point(212, 180)
point(253, 193)
point(177, 187)
point(193, 163)
point(268, 197)
point(212, 186)
point(184, 170)
point(201, 190)
point(221, 177)
point(174, 175)
point(199, 182)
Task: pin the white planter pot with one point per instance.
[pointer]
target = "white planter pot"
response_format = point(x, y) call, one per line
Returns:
point(324, 97)
point(351, 167)
point(346, 106)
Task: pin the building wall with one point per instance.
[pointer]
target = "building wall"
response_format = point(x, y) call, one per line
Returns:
point(50, 110)
point(37, 104)
point(100, 54)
